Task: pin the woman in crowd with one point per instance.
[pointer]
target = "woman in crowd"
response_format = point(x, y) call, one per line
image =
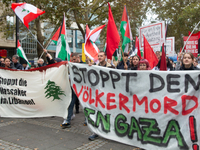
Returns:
point(169, 65)
point(187, 62)
point(143, 65)
point(134, 63)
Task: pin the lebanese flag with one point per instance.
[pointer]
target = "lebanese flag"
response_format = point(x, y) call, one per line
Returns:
point(20, 53)
point(149, 54)
point(56, 36)
point(163, 64)
point(62, 49)
point(90, 49)
point(137, 46)
point(113, 37)
point(125, 30)
point(26, 12)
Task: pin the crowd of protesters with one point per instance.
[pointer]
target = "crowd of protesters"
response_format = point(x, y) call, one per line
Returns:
point(185, 61)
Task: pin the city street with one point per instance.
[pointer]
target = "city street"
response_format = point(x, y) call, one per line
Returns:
point(46, 133)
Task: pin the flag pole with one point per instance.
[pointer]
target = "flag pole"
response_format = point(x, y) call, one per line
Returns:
point(45, 48)
point(17, 28)
point(35, 38)
point(190, 36)
point(37, 42)
point(123, 54)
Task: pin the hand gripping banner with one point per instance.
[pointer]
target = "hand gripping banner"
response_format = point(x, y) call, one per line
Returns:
point(39, 92)
point(148, 109)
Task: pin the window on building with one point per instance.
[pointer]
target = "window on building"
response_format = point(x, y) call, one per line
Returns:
point(10, 28)
point(79, 39)
point(70, 41)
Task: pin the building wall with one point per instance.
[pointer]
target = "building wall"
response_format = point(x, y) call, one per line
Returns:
point(8, 43)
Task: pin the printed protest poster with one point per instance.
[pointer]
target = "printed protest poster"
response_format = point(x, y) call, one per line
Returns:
point(170, 46)
point(192, 45)
point(155, 35)
point(39, 92)
point(154, 110)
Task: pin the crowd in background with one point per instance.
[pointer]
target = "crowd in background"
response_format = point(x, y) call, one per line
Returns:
point(127, 63)
point(185, 61)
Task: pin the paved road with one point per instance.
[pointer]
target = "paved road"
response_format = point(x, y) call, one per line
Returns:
point(46, 133)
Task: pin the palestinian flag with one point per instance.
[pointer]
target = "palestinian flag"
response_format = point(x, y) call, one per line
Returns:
point(125, 30)
point(62, 49)
point(56, 36)
point(21, 54)
point(26, 12)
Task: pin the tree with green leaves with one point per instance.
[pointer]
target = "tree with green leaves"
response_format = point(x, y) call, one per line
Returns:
point(52, 90)
point(82, 12)
point(181, 16)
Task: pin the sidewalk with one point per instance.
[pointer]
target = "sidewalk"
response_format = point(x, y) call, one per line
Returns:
point(46, 133)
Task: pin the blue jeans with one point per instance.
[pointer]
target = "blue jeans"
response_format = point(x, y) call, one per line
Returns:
point(71, 106)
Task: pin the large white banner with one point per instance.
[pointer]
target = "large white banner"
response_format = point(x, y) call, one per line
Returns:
point(153, 110)
point(170, 46)
point(155, 35)
point(40, 92)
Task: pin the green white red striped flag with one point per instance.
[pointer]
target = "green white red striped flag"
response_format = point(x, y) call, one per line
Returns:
point(20, 53)
point(62, 49)
point(125, 30)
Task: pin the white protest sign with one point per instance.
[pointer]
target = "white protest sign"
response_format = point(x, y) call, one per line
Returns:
point(155, 35)
point(170, 46)
point(39, 92)
point(154, 110)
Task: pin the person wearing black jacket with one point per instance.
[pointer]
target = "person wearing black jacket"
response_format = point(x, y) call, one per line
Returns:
point(41, 62)
point(8, 63)
point(15, 60)
point(169, 65)
point(67, 122)
point(121, 64)
point(187, 62)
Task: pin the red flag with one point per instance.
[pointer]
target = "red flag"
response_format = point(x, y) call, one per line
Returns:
point(195, 34)
point(163, 64)
point(56, 36)
point(113, 37)
point(138, 47)
point(149, 54)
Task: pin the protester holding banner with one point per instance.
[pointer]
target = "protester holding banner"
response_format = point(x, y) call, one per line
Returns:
point(15, 60)
point(187, 62)
point(144, 65)
point(158, 55)
point(40, 62)
point(102, 60)
point(67, 122)
point(25, 66)
point(121, 64)
point(134, 62)
point(8, 63)
point(103, 63)
point(169, 65)
point(195, 63)
point(178, 63)
point(2, 62)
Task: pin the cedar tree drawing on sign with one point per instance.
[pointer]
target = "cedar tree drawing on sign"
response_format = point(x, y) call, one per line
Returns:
point(52, 90)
